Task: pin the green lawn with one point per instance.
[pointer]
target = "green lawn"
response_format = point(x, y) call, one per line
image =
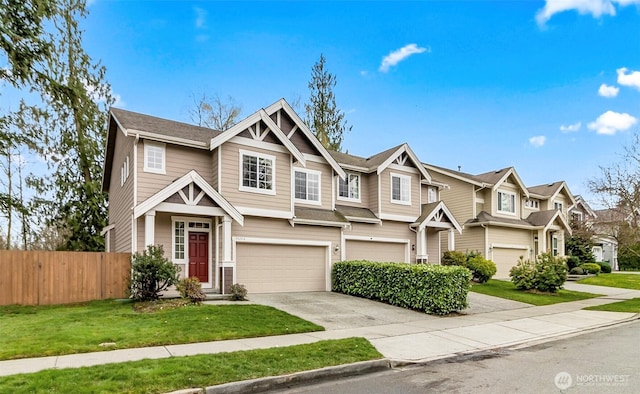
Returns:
point(164, 375)
point(506, 289)
point(625, 281)
point(29, 331)
point(632, 305)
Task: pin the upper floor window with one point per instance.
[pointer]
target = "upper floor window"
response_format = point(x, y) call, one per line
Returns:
point(257, 172)
point(577, 216)
point(535, 204)
point(124, 171)
point(432, 194)
point(557, 205)
point(154, 157)
point(349, 188)
point(400, 189)
point(307, 186)
point(506, 202)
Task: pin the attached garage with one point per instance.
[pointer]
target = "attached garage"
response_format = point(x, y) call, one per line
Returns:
point(267, 268)
point(376, 251)
point(505, 258)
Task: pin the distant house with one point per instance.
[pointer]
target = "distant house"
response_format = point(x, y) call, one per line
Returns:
point(604, 223)
point(502, 218)
point(264, 204)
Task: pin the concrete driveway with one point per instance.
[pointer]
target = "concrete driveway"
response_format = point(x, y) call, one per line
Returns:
point(336, 311)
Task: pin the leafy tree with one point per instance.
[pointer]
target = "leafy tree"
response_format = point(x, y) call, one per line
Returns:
point(214, 113)
point(324, 118)
point(580, 244)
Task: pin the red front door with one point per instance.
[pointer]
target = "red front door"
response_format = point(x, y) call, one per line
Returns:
point(199, 256)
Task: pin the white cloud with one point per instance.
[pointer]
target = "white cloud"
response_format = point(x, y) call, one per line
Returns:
point(596, 8)
point(608, 91)
point(632, 79)
point(201, 18)
point(537, 141)
point(571, 128)
point(399, 55)
point(609, 123)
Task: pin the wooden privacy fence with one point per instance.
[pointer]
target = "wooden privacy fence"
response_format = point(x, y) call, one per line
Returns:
point(45, 278)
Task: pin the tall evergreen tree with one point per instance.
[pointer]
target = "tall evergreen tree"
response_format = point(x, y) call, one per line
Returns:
point(323, 116)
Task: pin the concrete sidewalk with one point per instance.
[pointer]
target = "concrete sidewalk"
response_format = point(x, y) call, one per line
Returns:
point(409, 341)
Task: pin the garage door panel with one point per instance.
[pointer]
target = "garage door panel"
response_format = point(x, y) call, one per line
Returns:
point(375, 251)
point(505, 259)
point(264, 268)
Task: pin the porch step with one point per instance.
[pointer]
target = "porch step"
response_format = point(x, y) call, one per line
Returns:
point(217, 296)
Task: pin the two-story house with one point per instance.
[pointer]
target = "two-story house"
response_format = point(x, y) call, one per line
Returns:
point(263, 203)
point(502, 218)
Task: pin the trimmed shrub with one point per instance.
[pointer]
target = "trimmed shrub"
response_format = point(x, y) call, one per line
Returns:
point(572, 262)
point(605, 268)
point(481, 268)
point(591, 268)
point(433, 289)
point(576, 271)
point(191, 288)
point(238, 292)
point(453, 257)
point(546, 273)
point(152, 273)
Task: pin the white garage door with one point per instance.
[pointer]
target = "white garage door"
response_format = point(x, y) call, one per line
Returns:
point(505, 259)
point(375, 251)
point(264, 268)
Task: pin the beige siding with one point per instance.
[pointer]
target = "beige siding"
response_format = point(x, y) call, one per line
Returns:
point(391, 208)
point(214, 168)
point(163, 233)
point(471, 239)
point(388, 229)
point(257, 227)
point(459, 197)
point(370, 182)
point(326, 176)
point(489, 201)
point(179, 161)
point(121, 197)
point(281, 201)
point(433, 245)
point(266, 268)
point(375, 251)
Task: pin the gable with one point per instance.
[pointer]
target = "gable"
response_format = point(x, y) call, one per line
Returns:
point(191, 194)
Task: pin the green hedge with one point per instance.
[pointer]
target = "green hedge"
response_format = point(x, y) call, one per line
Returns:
point(433, 289)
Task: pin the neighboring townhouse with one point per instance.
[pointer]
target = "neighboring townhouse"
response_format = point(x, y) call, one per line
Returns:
point(502, 218)
point(263, 203)
point(605, 248)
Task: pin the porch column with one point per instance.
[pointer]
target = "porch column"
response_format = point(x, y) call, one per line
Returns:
point(226, 239)
point(149, 228)
point(423, 242)
point(542, 241)
point(451, 239)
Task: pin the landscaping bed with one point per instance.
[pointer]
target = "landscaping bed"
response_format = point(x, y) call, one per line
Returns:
point(34, 331)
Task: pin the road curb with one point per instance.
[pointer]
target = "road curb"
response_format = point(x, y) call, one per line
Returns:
point(273, 382)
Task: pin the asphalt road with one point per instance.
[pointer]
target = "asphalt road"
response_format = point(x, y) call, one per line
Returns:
point(597, 362)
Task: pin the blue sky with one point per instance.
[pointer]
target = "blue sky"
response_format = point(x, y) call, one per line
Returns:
point(552, 88)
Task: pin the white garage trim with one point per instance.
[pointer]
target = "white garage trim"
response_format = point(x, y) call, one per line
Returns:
point(509, 246)
point(346, 238)
point(294, 242)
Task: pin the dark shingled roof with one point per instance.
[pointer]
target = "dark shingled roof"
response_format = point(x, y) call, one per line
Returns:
point(546, 190)
point(364, 213)
point(369, 163)
point(484, 217)
point(325, 215)
point(492, 177)
point(541, 218)
point(152, 124)
point(427, 209)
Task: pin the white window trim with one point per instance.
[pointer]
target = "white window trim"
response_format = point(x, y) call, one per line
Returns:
point(308, 172)
point(163, 148)
point(435, 193)
point(401, 177)
point(515, 208)
point(258, 155)
point(341, 198)
point(175, 220)
point(561, 204)
point(529, 204)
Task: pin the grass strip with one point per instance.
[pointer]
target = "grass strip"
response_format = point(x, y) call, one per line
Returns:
point(625, 281)
point(507, 290)
point(34, 331)
point(164, 375)
point(632, 305)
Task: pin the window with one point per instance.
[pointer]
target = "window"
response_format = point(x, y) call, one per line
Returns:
point(577, 216)
point(506, 202)
point(554, 242)
point(400, 189)
point(349, 188)
point(154, 157)
point(558, 206)
point(257, 172)
point(124, 171)
point(535, 204)
point(307, 186)
point(432, 194)
point(178, 240)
